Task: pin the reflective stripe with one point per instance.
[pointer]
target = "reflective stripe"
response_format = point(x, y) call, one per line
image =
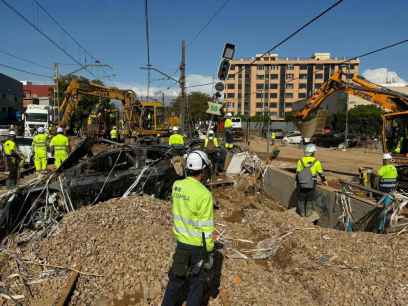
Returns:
point(191, 233)
point(193, 223)
point(389, 183)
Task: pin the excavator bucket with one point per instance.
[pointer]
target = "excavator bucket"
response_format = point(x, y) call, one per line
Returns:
point(313, 126)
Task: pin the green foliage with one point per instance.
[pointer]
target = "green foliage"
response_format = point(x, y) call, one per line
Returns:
point(197, 103)
point(363, 120)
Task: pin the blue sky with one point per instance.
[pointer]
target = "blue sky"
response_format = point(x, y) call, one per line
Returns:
point(113, 30)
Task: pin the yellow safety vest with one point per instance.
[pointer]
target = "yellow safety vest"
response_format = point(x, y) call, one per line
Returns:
point(176, 139)
point(193, 213)
point(228, 124)
point(60, 143)
point(40, 143)
point(114, 134)
point(9, 147)
point(307, 160)
point(214, 141)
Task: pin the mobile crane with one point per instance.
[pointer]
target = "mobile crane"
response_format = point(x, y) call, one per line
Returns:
point(395, 104)
point(139, 118)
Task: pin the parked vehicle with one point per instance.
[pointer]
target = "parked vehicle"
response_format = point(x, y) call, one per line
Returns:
point(293, 137)
point(333, 140)
point(34, 117)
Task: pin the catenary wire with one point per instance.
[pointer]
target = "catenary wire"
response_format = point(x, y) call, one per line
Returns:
point(17, 12)
point(25, 71)
point(24, 60)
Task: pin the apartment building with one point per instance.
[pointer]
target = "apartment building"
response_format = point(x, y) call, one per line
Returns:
point(274, 83)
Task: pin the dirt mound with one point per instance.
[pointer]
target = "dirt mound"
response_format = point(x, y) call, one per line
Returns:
point(129, 242)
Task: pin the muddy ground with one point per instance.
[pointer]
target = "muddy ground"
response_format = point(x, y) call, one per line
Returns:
point(127, 245)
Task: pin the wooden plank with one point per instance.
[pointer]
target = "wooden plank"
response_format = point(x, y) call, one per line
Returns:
point(67, 289)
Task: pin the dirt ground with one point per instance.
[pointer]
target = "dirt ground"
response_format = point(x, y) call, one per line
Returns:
point(127, 245)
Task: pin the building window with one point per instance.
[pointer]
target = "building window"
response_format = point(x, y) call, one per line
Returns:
point(231, 76)
point(232, 67)
point(260, 76)
point(289, 86)
point(289, 76)
point(303, 76)
point(259, 95)
point(302, 86)
point(319, 76)
point(259, 86)
point(319, 67)
point(230, 86)
point(273, 95)
point(239, 96)
point(273, 105)
point(230, 95)
point(260, 67)
point(289, 95)
point(303, 67)
point(291, 67)
point(274, 67)
point(239, 86)
point(302, 95)
point(274, 76)
point(273, 86)
point(259, 105)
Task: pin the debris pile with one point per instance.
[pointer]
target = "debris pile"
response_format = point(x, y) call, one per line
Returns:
point(123, 250)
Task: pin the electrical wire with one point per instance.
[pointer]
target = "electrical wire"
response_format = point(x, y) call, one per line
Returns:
point(321, 14)
point(147, 48)
point(24, 60)
point(63, 29)
point(36, 28)
point(208, 22)
point(27, 72)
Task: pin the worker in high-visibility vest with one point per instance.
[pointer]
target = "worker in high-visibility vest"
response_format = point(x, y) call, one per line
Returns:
point(176, 139)
point(40, 149)
point(60, 147)
point(114, 134)
point(228, 136)
point(194, 232)
point(13, 157)
point(273, 137)
point(388, 175)
point(211, 147)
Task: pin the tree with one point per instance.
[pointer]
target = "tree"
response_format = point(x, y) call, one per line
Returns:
point(198, 105)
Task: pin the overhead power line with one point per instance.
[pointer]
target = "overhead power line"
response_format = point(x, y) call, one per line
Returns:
point(17, 12)
point(224, 4)
point(25, 60)
point(27, 72)
point(63, 29)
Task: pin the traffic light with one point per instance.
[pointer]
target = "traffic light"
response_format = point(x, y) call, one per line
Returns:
point(223, 70)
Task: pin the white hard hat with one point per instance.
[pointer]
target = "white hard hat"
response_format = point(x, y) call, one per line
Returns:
point(40, 129)
point(387, 156)
point(310, 149)
point(175, 128)
point(12, 133)
point(60, 130)
point(228, 115)
point(197, 160)
point(210, 132)
point(114, 127)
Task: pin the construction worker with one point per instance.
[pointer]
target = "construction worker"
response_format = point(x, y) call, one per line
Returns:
point(60, 147)
point(13, 158)
point(228, 136)
point(211, 147)
point(307, 170)
point(193, 228)
point(176, 139)
point(40, 144)
point(273, 137)
point(387, 174)
point(114, 134)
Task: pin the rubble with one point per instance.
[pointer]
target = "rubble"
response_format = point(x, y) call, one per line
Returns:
point(124, 249)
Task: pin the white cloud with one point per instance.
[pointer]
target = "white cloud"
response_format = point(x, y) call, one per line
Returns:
point(384, 76)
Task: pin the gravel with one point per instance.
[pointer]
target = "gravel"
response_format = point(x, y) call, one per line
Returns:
point(129, 242)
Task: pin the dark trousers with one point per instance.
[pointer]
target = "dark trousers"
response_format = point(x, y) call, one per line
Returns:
point(306, 199)
point(192, 287)
point(12, 168)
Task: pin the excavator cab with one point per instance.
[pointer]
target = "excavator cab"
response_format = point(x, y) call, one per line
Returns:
point(395, 135)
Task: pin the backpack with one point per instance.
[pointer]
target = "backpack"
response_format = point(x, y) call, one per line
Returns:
point(305, 177)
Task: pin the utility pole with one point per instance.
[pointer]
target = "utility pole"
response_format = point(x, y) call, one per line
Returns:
point(148, 50)
point(56, 93)
point(182, 81)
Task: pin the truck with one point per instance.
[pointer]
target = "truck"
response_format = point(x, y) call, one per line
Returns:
point(35, 116)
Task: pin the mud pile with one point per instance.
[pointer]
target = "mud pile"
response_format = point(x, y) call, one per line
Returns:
point(129, 243)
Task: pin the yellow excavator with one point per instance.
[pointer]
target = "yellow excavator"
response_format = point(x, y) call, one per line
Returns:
point(395, 105)
point(139, 118)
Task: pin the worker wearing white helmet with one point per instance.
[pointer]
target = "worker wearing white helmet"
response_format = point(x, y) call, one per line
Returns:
point(307, 170)
point(176, 139)
point(13, 157)
point(40, 149)
point(193, 229)
point(388, 175)
point(228, 136)
point(60, 147)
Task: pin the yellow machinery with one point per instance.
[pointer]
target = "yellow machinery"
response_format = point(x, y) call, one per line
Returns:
point(395, 105)
point(139, 118)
